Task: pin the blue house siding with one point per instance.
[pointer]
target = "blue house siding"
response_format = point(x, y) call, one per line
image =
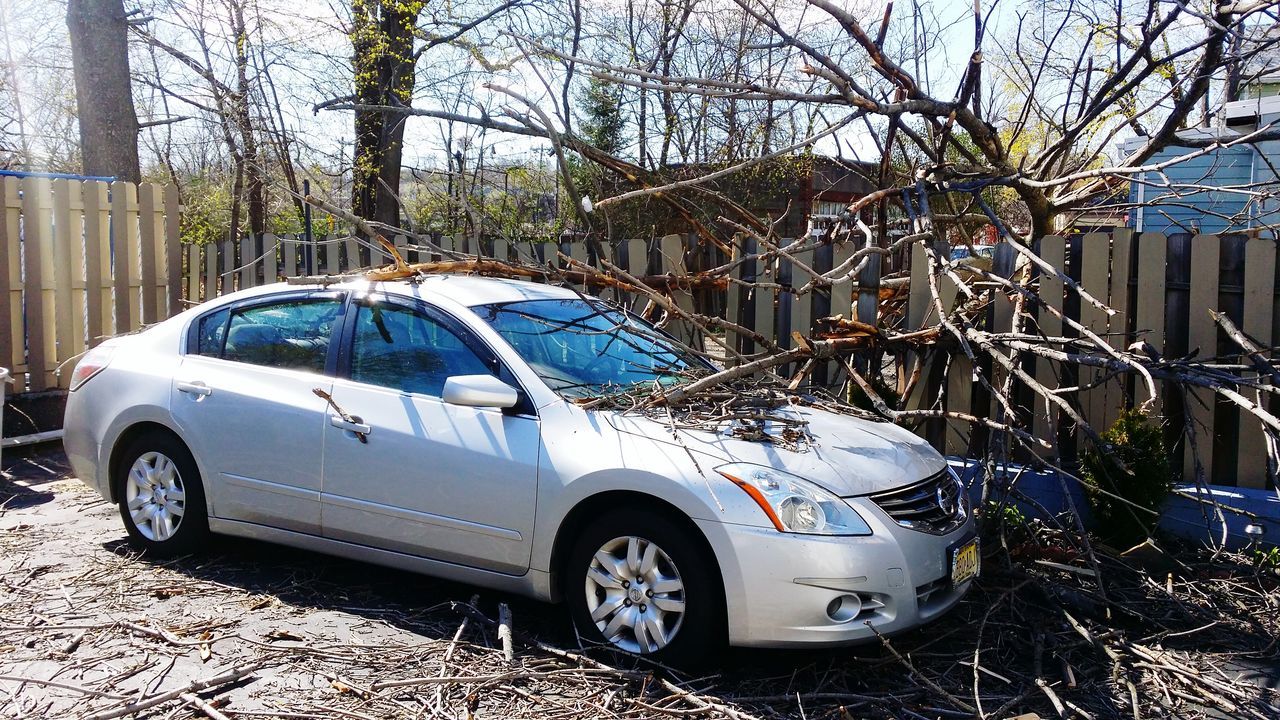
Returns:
point(1210, 211)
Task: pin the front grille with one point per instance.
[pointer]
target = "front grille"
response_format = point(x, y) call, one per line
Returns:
point(933, 505)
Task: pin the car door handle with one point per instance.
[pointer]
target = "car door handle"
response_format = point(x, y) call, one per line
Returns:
point(353, 425)
point(195, 388)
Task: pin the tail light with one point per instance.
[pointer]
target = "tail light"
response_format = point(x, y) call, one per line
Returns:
point(94, 362)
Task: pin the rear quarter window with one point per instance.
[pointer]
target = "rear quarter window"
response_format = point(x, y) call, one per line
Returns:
point(211, 332)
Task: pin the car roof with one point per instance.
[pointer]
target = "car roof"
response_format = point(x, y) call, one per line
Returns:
point(468, 290)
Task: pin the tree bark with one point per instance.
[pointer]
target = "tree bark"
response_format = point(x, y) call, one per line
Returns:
point(104, 96)
point(382, 44)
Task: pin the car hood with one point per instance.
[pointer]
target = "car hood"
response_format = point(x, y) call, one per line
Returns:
point(844, 454)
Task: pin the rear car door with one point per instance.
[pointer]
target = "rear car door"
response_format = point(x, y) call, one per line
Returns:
point(244, 400)
point(450, 483)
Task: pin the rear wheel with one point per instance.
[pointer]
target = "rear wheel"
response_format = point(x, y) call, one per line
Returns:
point(160, 495)
point(642, 584)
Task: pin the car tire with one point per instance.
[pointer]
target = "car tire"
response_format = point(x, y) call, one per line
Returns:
point(640, 583)
point(161, 497)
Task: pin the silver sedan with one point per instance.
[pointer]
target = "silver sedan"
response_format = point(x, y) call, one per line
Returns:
point(453, 426)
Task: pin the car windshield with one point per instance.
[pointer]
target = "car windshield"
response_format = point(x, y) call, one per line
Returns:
point(583, 349)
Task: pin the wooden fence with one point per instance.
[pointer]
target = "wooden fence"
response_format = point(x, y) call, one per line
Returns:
point(1147, 280)
point(86, 260)
point(1162, 289)
point(81, 261)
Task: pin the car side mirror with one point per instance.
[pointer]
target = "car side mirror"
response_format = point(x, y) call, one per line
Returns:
point(479, 391)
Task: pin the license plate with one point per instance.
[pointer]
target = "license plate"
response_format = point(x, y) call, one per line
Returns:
point(965, 563)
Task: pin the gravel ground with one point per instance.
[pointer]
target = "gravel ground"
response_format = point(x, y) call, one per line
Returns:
point(88, 628)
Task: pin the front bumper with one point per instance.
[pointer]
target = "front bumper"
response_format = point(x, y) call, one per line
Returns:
point(779, 587)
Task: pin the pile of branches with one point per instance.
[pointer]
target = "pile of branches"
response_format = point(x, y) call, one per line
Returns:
point(88, 629)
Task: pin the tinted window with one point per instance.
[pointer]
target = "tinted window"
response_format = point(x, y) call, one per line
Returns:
point(399, 348)
point(292, 334)
point(213, 328)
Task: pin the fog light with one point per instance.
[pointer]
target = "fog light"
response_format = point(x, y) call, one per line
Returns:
point(844, 608)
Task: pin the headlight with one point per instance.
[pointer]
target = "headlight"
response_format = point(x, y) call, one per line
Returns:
point(794, 504)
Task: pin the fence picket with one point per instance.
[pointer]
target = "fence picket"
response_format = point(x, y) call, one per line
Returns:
point(959, 393)
point(1116, 392)
point(170, 217)
point(247, 263)
point(1095, 265)
point(290, 253)
point(801, 320)
point(99, 314)
point(193, 276)
point(1052, 251)
point(401, 244)
point(352, 261)
point(63, 277)
point(210, 252)
point(1259, 296)
point(37, 264)
point(1202, 333)
point(227, 254)
point(124, 254)
point(842, 299)
point(672, 254)
point(1149, 305)
point(11, 333)
point(149, 272)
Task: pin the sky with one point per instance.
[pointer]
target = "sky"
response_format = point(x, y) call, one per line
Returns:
point(34, 38)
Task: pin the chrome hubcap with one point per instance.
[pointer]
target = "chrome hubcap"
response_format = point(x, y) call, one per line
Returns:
point(155, 496)
point(635, 594)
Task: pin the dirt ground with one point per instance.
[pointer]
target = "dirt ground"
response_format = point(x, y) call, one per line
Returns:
point(90, 629)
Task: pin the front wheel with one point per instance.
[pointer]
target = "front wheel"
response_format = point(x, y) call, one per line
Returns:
point(161, 497)
point(642, 584)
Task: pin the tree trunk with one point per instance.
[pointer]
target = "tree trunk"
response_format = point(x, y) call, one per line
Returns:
point(104, 97)
point(382, 41)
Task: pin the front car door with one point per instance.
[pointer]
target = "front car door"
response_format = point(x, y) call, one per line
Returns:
point(451, 483)
point(244, 400)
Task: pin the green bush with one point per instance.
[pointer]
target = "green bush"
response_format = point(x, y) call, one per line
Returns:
point(1132, 463)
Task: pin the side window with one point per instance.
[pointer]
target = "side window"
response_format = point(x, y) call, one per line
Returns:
point(211, 333)
point(293, 334)
point(399, 348)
